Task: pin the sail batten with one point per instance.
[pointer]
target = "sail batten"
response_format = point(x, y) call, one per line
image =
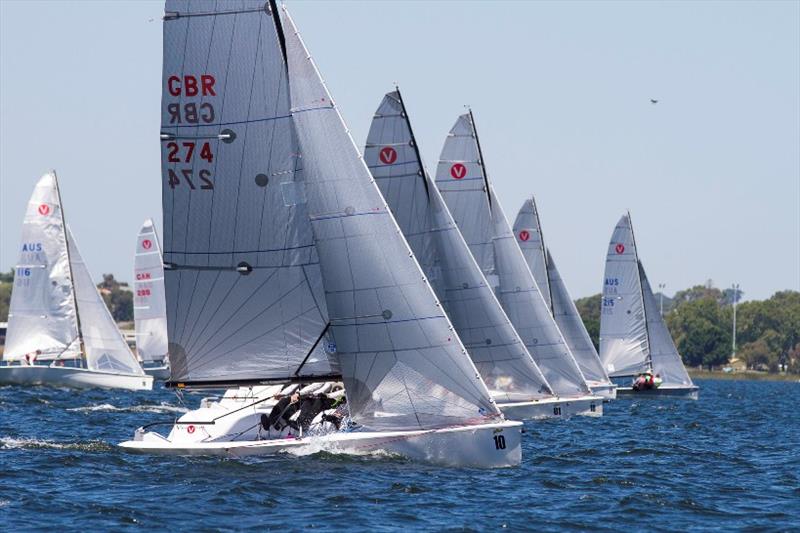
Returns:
point(486, 230)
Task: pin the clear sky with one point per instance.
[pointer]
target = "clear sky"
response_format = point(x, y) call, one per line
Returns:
point(561, 95)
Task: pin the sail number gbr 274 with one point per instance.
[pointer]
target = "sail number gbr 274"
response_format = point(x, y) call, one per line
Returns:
point(190, 156)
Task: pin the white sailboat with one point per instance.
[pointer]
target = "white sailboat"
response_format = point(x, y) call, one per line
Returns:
point(528, 231)
point(149, 305)
point(462, 179)
point(60, 332)
point(634, 340)
point(514, 380)
point(293, 269)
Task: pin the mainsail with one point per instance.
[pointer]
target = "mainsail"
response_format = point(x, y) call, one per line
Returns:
point(403, 364)
point(393, 157)
point(461, 178)
point(42, 316)
point(528, 231)
point(624, 346)
point(633, 335)
point(149, 306)
point(243, 285)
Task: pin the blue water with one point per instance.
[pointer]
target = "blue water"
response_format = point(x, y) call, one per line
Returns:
point(730, 460)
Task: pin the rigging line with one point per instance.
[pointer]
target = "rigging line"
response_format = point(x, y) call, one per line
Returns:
point(233, 252)
point(414, 145)
point(216, 125)
point(481, 161)
point(177, 15)
point(311, 350)
point(276, 17)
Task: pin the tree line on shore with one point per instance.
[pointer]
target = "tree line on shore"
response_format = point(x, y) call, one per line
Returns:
point(700, 320)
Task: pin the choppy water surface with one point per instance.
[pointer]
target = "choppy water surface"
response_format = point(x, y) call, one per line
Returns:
point(730, 460)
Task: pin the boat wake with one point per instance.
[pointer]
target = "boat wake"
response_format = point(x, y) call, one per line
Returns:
point(10, 443)
point(107, 407)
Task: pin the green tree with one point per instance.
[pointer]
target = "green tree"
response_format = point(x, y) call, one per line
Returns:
point(698, 328)
point(589, 309)
point(5, 299)
point(118, 298)
point(7, 277)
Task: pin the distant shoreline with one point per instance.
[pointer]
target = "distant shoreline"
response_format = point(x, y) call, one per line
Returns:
point(747, 375)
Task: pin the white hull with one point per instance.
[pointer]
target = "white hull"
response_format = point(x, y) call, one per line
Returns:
point(231, 426)
point(553, 408)
point(661, 393)
point(463, 446)
point(608, 391)
point(78, 378)
point(160, 373)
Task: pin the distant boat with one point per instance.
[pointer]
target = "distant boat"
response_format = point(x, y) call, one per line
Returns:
point(149, 305)
point(463, 181)
point(507, 368)
point(60, 332)
point(528, 231)
point(635, 343)
point(288, 268)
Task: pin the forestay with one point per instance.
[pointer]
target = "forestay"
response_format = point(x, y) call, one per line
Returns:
point(666, 361)
point(149, 306)
point(624, 346)
point(42, 316)
point(392, 155)
point(243, 288)
point(462, 180)
point(528, 231)
point(403, 364)
point(103, 344)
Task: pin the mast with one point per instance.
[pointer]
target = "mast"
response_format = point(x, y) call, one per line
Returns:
point(480, 157)
point(414, 144)
point(649, 359)
point(544, 255)
point(69, 265)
